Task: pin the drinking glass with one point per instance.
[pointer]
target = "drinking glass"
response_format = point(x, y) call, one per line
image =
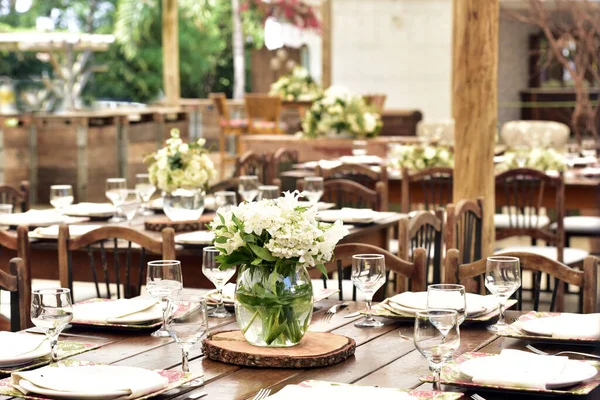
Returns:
point(268, 192)
point(448, 297)
point(588, 148)
point(211, 269)
point(313, 188)
point(131, 203)
point(115, 192)
point(224, 200)
point(248, 187)
point(187, 323)
point(368, 275)
point(521, 155)
point(6, 208)
point(502, 279)
point(437, 338)
point(145, 189)
point(61, 196)
point(359, 147)
point(51, 310)
point(164, 279)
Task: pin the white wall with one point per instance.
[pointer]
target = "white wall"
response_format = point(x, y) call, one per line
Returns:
point(399, 47)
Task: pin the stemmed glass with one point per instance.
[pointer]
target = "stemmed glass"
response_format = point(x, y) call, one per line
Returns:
point(368, 275)
point(268, 192)
point(115, 192)
point(164, 279)
point(211, 269)
point(61, 197)
point(224, 200)
point(51, 310)
point(131, 203)
point(187, 323)
point(437, 338)
point(313, 188)
point(448, 297)
point(145, 189)
point(502, 279)
point(248, 187)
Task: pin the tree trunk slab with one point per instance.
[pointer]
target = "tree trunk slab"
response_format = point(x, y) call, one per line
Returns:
point(316, 349)
point(157, 224)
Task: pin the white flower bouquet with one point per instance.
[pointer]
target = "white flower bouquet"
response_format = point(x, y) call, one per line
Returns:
point(537, 158)
point(299, 85)
point(340, 112)
point(417, 157)
point(180, 165)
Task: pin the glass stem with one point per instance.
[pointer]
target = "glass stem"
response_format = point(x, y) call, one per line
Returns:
point(502, 310)
point(164, 304)
point(54, 346)
point(185, 367)
point(436, 378)
point(220, 305)
point(369, 301)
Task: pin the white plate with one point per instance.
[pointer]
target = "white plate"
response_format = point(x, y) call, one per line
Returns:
point(198, 237)
point(26, 358)
point(153, 314)
point(575, 371)
point(74, 396)
point(91, 210)
point(362, 217)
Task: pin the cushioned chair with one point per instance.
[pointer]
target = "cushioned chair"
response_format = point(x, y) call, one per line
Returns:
point(264, 113)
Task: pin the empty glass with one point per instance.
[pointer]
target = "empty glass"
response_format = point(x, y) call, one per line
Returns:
point(368, 275)
point(145, 189)
point(266, 192)
point(224, 200)
point(248, 187)
point(187, 323)
point(211, 269)
point(115, 192)
point(313, 188)
point(437, 338)
point(61, 196)
point(588, 148)
point(502, 279)
point(448, 297)
point(359, 147)
point(164, 279)
point(131, 203)
point(51, 310)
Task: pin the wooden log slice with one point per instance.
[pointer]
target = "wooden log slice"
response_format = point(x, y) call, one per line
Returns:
point(157, 224)
point(316, 349)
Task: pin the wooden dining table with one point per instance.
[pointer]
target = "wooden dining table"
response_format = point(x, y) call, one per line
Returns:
point(385, 357)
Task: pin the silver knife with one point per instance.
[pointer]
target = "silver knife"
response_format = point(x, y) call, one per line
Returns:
point(352, 315)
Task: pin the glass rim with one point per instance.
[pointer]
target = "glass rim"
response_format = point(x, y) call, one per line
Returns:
point(435, 311)
point(164, 263)
point(247, 177)
point(116, 180)
point(224, 193)
point(313, 178)
point(51, 291)
point(501, 258)
point(211, 249)
point(446, 286)
point(61, 187)
point(368, 256)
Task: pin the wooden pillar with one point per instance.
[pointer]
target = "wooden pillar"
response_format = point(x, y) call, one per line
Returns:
point(170, 46)
point(326, 42)
point(474, 105)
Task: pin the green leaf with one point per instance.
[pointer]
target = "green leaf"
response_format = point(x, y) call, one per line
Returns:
point(221, 240)
point(321, 267)
point(262, 252)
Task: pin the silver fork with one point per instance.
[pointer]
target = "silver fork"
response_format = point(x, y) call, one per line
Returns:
point(262, 394)
point(475, 396)
point(333, 310)
point(543, 353)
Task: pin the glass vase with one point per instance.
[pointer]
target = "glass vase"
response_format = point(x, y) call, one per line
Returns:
point(183, 204)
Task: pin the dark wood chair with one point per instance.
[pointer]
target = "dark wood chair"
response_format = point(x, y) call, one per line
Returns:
point(464, 229)
point(122, 240)
point(18, 283)
point(586, 279)
point(435, 186)
point(18, 197)
point(283, 160)
point(229, 127)
point(251, 163)
point(227, 185)
point(264, 113)
point(413, 271)
point(18, 244)
point(347, 193)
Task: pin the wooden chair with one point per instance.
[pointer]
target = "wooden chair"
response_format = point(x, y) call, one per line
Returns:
point(413, 271)
point(376, 100)
point(121, 239)
point(19, 284)
point(283, 160)
point(263, 113)
point(464, 229)
point(587, 279)
point(18, 197)
point(251, 163)
point(20, 245)
point(435, 184)
point(229, 127)
point(346, 193)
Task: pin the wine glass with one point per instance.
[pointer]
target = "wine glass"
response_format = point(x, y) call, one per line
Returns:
point(368, 275)
point(268, 192)
point(248, 187)
point(145, 189)
point(502, 279)
point(187, 323)
point(359, 148)
point(61, 196)
point(211, 269)
point(115, 188)
point(51, 310)
point(224, 200)
point(437, 338)
point(521, 155)
point(313, 188)
point(131, 203)
point(448, 297)
point(163, 279)
point(588, 148)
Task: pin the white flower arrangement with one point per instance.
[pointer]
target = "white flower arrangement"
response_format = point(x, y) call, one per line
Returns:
point(341, 112)
point(180, 165)
point(417, 157)
point(299, 86)
point(537, 158)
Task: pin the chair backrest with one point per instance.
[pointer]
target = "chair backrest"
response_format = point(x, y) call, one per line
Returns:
point(434, 184)
point(376, 100)
point(413, 271)
point(283, 160)
point(346, 193)
point(228, 185)
point(440, 131)
point(535, 134)
point(464, 229)
point(97, 243)
point(263, 108)
point(424, 230)
point(220, 102)
point(587, 279)
point(251, 163)
point(18, 283)
point(18, 197)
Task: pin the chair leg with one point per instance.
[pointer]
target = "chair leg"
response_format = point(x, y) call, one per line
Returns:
point(222, 151)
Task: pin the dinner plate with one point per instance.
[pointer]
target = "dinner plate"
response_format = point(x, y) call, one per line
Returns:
point(72, 395)
point(149, 316)
point(361, 217)
point(92, 210)
point(43, 350)
point(195, 238)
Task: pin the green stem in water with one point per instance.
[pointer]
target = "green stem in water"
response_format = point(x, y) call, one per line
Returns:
point(250, 322)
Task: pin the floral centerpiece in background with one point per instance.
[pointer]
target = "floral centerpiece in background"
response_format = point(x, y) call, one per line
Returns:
point(299, 86)
point(417, 157)
point(341, 113)
point(537, 158)
point(182, 171)
point(272, 242)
